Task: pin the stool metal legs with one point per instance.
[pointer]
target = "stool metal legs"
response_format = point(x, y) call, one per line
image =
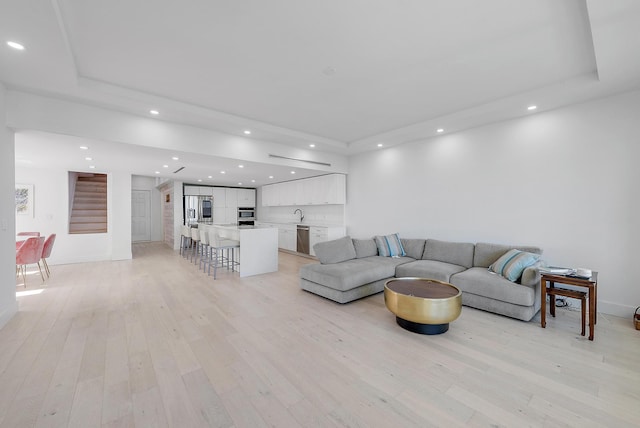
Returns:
point(218, 259)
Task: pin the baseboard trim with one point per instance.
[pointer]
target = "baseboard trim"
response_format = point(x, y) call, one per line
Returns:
point(616, 309)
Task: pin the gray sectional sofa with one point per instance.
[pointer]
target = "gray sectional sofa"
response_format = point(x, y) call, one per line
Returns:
point(350, 269)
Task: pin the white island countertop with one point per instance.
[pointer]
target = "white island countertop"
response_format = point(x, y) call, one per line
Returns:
point(258, 246)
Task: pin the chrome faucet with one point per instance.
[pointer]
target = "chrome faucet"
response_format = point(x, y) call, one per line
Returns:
point(301, 214)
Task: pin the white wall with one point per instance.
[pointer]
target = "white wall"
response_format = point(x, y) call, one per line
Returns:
point(120, 214)
point(564, 180)
point(139, 182)
point(51, 214)
point(8, 303)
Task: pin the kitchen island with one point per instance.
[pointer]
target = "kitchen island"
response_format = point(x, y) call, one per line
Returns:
point(258, 246)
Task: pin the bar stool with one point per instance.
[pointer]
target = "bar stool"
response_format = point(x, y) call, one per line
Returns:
point(552, 292)
point(185, 239)
point(195, 243)
point(217, 248)
point(205, 256)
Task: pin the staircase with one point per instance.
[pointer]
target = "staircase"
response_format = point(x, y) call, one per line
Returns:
point(89, 211)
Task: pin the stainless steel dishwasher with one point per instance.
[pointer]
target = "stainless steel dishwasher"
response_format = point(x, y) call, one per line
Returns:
point(303, 239)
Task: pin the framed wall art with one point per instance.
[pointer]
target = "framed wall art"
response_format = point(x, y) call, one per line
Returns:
point(24, 199)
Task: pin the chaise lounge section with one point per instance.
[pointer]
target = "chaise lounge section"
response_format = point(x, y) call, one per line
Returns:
point(350, 269)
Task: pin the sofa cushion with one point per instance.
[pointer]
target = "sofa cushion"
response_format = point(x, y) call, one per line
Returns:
point(335, 251)
point(481, 282)
point(365, 248)
point(512, 263)
point(389, 246)
point(391, 262)
point(430, 269)
point(485, 253)
point(351, 273)
point(413, 247)
point(457, 253)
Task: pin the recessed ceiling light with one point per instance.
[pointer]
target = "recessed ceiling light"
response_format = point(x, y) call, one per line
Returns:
point(532, 108)
point(223, 172)
point(239, 184)
point(92, 166)
point(157, 172)
point(271, 176)
point(379, 144)
point(246, 131)
point(84, 148)
point(154, 112)
point(15, 45)
point(88, 158)
point(439, 130)
point(293, 172)
point(253, 181)
point(240, 166)
point(199, 180)
point(211, 176)
point(175, 158)
point(312, 145)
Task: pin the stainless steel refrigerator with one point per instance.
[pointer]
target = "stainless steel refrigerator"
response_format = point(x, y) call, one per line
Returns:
point(198, 209)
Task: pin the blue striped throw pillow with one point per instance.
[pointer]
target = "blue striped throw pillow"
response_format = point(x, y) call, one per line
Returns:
point(512, 263)
point(390, 246)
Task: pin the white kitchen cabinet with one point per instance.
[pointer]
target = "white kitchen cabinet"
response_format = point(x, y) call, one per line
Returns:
point(287, 193)
point(219, 214)
point(191, 190)
point(287, 237)
point(232, 215)
point(323, 190)
point(247, 198)
point(323, 234)
point(267, 195)
point(231, 196)
point(317, 234)
point(219, 196)
point(329, 189)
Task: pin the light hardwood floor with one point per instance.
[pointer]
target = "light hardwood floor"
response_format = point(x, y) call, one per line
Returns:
point(155, 342)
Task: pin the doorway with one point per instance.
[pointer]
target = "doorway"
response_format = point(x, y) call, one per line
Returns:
point(140, 215)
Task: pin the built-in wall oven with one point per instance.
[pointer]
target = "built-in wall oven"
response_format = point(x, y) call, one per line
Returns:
point(246, 216)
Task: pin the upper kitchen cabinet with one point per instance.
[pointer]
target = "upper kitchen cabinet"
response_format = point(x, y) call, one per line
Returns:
point(191, 190)
point(287, 193)
point(328, 189)
point(247, 198)
point(323, 190)
point(231, 197)
point(219, 197)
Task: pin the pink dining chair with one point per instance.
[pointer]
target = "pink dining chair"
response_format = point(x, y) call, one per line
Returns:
point(46, 252)
point(29, 253)
point(28, 234)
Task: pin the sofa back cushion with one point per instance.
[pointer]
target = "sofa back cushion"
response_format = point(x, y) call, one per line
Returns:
point(486, 254)
point(365, 248)
point(457, 253)
point(413, 247)
point(335, 251)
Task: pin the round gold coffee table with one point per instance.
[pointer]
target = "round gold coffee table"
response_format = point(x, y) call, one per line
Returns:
point(421, 305)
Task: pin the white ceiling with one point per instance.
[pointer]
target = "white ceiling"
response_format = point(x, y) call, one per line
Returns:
point(343, 74)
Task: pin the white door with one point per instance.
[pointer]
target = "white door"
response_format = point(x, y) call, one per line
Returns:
point(140, 215)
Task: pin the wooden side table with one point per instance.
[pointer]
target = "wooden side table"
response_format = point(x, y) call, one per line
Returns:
point(592, 294)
